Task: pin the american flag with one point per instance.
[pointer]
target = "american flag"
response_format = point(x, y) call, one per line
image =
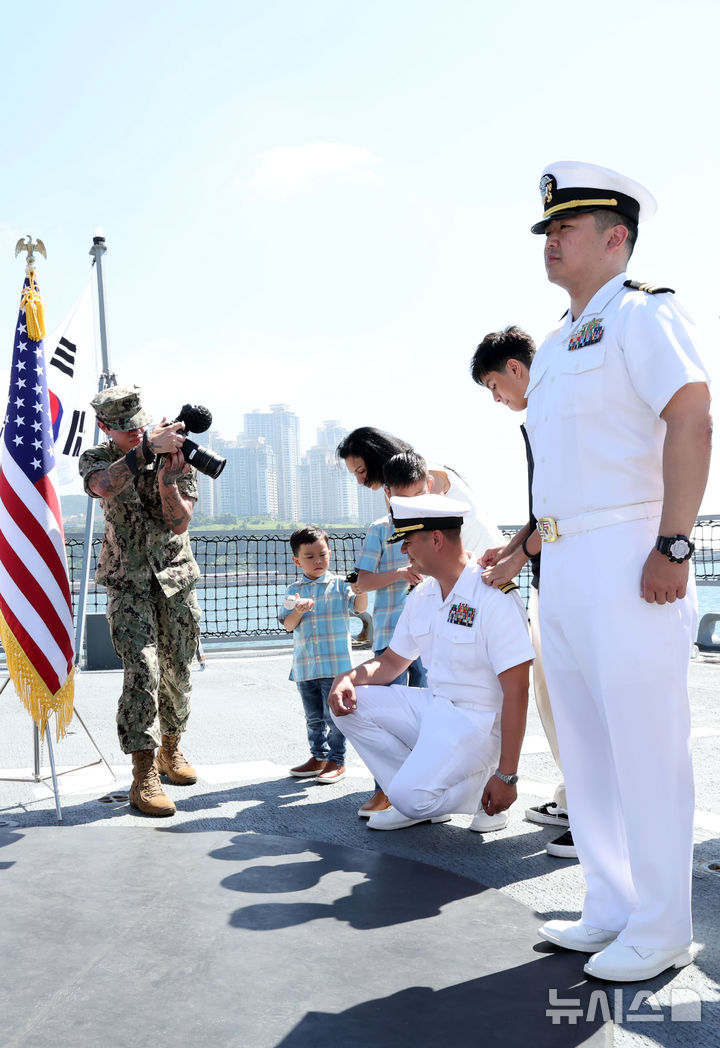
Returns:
point(36, 624)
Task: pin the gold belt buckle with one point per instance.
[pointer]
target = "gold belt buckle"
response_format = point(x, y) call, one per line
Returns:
point(548, 529)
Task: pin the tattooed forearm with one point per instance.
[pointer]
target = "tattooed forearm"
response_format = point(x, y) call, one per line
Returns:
point(111, 481)
point(177, 511)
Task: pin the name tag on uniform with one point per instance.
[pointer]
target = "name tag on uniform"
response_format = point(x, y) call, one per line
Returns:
point(461, 615)
point(588, 335)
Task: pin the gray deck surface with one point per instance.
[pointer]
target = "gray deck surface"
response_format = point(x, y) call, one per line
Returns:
point(266, 913)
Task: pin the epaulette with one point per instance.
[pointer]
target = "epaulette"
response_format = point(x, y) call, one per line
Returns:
point(649, 289)
point(509, 587)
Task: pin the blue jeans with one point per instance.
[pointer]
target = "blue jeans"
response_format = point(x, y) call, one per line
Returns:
point(414, 676)
point(327, 743)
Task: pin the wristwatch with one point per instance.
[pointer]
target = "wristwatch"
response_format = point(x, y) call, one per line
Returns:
point(676, 548)
point(510, 780)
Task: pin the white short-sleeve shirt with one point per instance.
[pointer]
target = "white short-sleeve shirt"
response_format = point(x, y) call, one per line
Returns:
point(597, 387)
point(478, 532)
point(466, 640)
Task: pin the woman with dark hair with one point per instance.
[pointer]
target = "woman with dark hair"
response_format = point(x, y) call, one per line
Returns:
point(365, 452)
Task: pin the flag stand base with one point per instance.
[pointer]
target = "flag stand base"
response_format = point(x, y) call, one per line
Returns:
point(37, 777)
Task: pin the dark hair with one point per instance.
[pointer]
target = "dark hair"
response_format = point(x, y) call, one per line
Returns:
point(405, 469)
point(497, 348)
point(605, 219)
point(374, 447)
point(306, 537)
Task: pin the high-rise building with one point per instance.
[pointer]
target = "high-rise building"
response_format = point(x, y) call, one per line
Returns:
point(280, 428)
point(248, 484)
point(330, 434)
point(207, 487)
point(325, 495)
point(328, 493)
point(261, 481)
point(371, 504)
point(343, 486)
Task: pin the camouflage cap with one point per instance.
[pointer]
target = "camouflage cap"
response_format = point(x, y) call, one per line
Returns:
point(119, 408)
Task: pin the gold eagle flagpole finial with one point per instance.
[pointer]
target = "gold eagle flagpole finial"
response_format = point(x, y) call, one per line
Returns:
point(31, 302)
point(30, 247)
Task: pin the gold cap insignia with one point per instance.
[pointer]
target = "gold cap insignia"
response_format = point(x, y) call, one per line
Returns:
point(547, 184)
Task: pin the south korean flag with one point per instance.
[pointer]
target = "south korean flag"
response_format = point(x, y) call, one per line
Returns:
point(72, 374)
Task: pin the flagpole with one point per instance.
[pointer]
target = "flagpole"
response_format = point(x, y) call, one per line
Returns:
point(97, 251)
point(107, 378)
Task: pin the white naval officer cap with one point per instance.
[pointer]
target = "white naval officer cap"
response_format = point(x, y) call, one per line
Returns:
point(425, 513)
point(569, 187)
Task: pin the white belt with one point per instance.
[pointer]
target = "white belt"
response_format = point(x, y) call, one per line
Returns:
point(550, 529)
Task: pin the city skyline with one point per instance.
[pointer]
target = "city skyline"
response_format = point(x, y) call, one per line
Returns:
point(269, 476)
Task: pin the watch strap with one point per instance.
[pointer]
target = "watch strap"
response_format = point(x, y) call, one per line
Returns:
point(147, 452)
point(132, 462)
point(510, 780)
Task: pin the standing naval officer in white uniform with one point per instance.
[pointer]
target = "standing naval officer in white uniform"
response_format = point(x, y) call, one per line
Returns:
point(619, 423)
point(454, 746)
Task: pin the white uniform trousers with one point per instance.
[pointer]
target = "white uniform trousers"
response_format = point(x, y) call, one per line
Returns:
point(617, 672)
point(430, 756)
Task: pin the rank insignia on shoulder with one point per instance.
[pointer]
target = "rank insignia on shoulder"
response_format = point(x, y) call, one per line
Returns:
point(588, 335)
point(649, 289)
point(508, 587)
point(462, 615)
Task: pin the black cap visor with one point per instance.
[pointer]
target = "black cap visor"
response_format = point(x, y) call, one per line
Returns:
point(575, 201)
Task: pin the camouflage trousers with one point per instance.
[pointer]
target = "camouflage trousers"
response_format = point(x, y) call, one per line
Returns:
point(156, 638)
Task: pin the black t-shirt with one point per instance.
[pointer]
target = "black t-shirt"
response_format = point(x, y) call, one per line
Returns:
point(534, 560)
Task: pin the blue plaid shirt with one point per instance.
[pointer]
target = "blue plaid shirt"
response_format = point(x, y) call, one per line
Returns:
point(321, 640)
point(377, 556)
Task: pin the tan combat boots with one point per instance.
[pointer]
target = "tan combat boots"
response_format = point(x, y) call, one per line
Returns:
point(171, 762)
point(146, 792)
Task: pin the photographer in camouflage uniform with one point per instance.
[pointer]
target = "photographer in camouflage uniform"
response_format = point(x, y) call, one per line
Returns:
point(150, 573)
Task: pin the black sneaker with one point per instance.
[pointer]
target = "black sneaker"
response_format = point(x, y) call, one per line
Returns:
point(549, 814)
point(562, 847)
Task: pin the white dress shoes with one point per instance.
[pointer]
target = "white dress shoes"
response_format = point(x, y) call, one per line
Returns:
point(392, 819)
point(574, 935)
point(484, 823)
point(618, 963)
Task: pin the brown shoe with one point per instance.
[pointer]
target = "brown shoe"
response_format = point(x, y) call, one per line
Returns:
point(378, 802)
point(171, 762)
point(146, 792)
point(309, 769)
point(333, 773)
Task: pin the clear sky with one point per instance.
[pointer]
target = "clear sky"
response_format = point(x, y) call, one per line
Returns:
point(327, 203)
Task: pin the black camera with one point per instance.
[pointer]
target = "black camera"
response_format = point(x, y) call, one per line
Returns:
point(197, 419)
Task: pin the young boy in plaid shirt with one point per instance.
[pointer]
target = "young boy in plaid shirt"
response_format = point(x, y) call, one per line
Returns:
point(316, 610)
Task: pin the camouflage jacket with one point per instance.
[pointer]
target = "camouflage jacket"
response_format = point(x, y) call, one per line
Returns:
point(138, 543)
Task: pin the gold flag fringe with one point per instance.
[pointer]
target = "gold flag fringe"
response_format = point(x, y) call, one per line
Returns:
point(34, 307)
point(32, 690)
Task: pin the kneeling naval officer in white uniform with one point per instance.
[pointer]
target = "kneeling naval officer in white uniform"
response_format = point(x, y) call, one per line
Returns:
point(619, 424)
point(454, 746)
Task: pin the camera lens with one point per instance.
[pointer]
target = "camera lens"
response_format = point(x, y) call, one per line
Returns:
point(203, 459)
